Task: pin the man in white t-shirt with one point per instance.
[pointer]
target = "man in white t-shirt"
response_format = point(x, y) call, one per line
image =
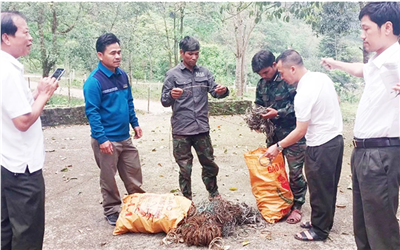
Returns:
point(319, 119)
point(22, 148)
point(375, 162)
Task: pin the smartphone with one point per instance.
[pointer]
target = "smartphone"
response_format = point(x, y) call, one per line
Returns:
point(58, 73)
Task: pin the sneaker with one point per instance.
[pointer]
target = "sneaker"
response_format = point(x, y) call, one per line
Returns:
point(112, 218)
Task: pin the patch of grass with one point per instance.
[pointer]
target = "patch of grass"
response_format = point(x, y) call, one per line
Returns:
point(143, 90)
point(62, 101)
point(349, 110)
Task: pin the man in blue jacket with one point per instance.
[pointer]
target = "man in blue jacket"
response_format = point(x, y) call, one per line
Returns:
point(110, 110)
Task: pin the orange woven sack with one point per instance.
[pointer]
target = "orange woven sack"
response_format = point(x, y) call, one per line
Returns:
point(151, 213)
point(270, 185)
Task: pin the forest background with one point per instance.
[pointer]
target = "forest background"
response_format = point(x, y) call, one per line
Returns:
point(230, 33)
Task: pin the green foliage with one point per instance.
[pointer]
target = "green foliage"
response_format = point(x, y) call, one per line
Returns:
point(219, 61)
point(60, 100)
point(349, 110)
point(150, 31)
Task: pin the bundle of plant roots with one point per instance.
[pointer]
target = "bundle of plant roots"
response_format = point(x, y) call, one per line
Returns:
point(211, 221)
point(255, 121)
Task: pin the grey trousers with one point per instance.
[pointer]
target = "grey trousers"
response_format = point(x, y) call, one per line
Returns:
point(125, 160)
point(376, 178)
point(22, 210)
point(323, 165)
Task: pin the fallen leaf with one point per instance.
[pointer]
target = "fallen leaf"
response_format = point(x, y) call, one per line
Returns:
point(340, 206)
point(161, 175)
point(233, 189)
point(64, 169)
point(153, 149)
point(245, 243)
point(174, 190)
point(266, 234)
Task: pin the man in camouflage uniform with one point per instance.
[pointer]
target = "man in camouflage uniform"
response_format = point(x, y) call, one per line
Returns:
point(185, 89)
point(277, 96)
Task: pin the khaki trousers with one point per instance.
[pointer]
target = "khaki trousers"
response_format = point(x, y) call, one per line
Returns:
point(125, 159)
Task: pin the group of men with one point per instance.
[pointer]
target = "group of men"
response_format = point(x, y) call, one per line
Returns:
point(303, 106)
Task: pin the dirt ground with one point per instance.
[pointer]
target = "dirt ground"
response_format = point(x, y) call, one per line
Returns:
point(74, 215)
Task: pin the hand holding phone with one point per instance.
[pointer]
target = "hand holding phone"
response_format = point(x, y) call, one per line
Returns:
point(58, 73)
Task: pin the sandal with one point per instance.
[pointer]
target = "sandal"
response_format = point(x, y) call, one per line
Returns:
point(308, 235)
point(306, 224)
point(294, 216)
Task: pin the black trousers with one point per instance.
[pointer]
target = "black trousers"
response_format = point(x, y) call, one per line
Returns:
point(323, 165)
point(22, 210)
point(376, 178)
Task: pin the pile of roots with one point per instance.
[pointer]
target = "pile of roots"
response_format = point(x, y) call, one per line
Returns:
point(255, 121)
point(206, 225)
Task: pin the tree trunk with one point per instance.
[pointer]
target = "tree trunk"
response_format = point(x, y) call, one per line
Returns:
point(130, 66)
point(243, 29)
point(167, 36)
point(175, 39)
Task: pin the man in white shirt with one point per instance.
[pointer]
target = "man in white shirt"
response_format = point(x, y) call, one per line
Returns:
point(22, 148)
point(375, 161)
point(319, 119)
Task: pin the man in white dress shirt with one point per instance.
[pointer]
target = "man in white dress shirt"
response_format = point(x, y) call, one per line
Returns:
point(319, 119)
point(22, 152)
point(375, 161)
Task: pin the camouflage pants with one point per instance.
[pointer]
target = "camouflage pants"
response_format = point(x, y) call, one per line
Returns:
point(294, 155)
point(183, 156)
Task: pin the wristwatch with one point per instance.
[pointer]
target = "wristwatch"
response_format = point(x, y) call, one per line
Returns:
point(279, 147)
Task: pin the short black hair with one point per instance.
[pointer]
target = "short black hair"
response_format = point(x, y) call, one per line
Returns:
point(262, 59)
point(189, 43)
point(7, 23)
point(290, 57)
point(382, 12)
point(104, 40)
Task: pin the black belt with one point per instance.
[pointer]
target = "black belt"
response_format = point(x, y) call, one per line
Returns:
point(376, 142)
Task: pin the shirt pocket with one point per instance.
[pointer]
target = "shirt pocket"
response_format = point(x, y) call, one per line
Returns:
point(201, 85)
point(184, 84)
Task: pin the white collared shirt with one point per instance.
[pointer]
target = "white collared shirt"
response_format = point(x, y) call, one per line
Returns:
point(378, 110)
point(18, 149)
point(316, 101)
